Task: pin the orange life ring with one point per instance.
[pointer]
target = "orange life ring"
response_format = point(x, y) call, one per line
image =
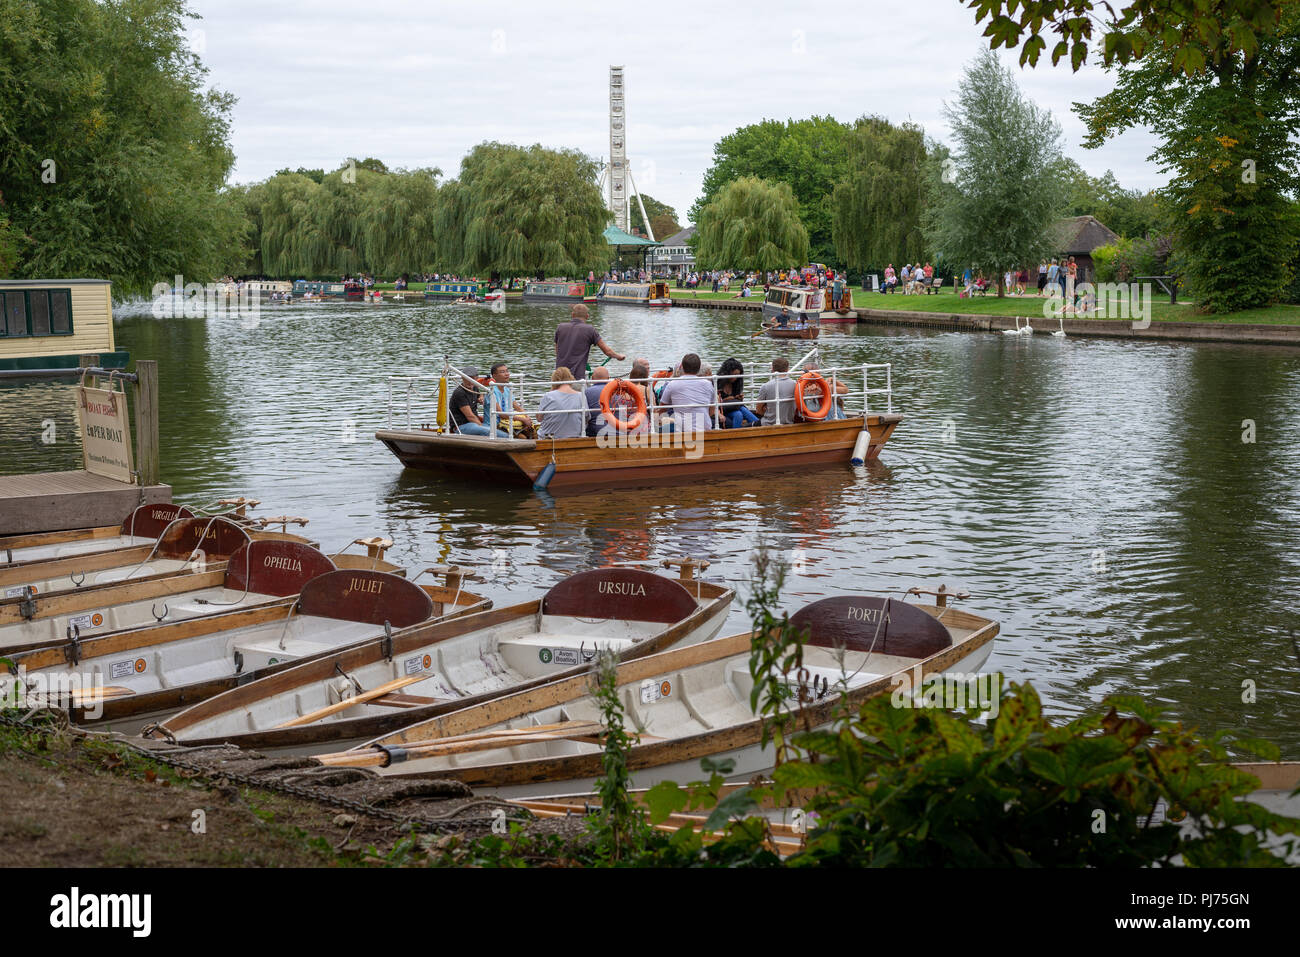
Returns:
point(638, 418)
point(823, 387)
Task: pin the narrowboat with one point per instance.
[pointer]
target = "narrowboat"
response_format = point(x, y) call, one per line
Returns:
point(351, 291)
point(51, 323)
point(635, 293)
point(560, 292)
point(809, 303)
point(454, 290)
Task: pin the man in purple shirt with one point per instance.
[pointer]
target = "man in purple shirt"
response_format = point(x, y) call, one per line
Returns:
point(573, 342)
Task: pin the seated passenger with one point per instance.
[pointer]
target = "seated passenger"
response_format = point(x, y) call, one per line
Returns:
point(814, 402)
point(503, 401)
point(599, 379)
point(731, 395)
point(563, 409)
point(690, 399)
point(465, 404)
point(775, 404)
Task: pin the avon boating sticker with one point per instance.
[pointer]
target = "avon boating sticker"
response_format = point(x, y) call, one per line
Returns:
point(413, 666)
point(652, 691)
point(18, 591)
point(90, 620)
point(124, 669)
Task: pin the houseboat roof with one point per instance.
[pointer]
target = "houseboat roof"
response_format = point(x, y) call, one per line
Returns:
point(48, 282)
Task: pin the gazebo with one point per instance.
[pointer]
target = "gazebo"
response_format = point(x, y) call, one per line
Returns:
point(625, 244)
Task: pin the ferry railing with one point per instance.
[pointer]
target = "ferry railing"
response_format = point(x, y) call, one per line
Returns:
point(523, 391)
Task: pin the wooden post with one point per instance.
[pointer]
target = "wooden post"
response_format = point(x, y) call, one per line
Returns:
point(146, 421)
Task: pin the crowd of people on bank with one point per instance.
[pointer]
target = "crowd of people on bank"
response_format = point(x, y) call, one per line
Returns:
point(687, 398)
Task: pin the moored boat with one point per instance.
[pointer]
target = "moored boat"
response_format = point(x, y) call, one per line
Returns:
point(454, 289)
point(547, 291)
point(141, 527)
point(372, 689)
point(684, 704)
point(808, 304)
point(348, 290)
point(635, 293)
point(129, 677)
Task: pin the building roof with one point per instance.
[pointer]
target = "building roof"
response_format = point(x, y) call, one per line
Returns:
point(616, 237)
point(1080, 235)
point(680, 238)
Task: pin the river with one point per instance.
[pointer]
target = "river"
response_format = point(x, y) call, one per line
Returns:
point(1128, 511)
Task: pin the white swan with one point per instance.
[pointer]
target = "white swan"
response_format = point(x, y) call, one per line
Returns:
point(1060, 333)
point(1019, 330)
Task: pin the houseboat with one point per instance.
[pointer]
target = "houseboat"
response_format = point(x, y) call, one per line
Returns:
point(809, 304)
point(635, 293)
point(560, 292)
point(351, 291)
point(262, 289)
point(51, 323)
point(454, 289)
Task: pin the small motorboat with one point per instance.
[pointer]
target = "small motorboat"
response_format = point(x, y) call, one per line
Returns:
point(383, 685)
point(307, 609)
point(683, 704)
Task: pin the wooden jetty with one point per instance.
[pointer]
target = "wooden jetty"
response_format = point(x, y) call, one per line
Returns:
point(58, 501)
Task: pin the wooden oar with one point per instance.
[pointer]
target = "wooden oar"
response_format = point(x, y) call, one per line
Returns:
point(459, 744)
point(346, 703)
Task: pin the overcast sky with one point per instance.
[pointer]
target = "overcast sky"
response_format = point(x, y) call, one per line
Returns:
point(418, 84)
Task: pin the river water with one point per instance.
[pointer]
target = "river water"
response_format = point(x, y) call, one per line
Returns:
point(1129, 512)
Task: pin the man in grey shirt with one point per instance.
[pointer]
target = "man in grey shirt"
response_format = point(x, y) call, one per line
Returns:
point(690, 398)
point(775, 404)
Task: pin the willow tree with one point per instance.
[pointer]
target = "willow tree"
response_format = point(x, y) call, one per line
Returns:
point(878, 208)
point(396, 228)
point(751, 224)
point(522, 211)
point(993, 204)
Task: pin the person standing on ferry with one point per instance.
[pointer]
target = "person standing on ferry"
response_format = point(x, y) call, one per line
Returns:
point(573, 342)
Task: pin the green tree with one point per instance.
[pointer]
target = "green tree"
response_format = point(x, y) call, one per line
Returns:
point(663, 218)
point(522, 211)
point(1130, 212)
point(751, 224)
point(995, 199)
point(810, 156)
point(877, 209)
point(1199, 33)
point(113, 153)
point(1227, 143)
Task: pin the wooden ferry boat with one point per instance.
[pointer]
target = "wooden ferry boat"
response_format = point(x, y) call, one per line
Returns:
point(685, 704)
point(130, 677)
point(51, 323)
point(372, 689)
point(454, 289)
point(635, 293)
point(645, 459)
point(349, 291)
point(799, 332)
point(808, 304)
point(560, 292)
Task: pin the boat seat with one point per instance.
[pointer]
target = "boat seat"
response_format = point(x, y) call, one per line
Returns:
point(539, 654)
point(739, 679)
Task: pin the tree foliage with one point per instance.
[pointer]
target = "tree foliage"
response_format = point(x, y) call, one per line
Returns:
point(877, 209)
point(994, 201)
point(1133, 213)
point(663, 218)
point(1227, 142)
point(810, 156)
point(1196, 33)
point(523, 211)
point(751, 224)
point(113, 155)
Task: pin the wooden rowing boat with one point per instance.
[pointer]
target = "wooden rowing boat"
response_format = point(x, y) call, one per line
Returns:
point(803, 332)
point(645, 459)
point(128, 678)
point(686, 704)
point(352, 696)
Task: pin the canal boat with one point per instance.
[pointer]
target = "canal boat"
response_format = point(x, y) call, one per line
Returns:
point(131, 677)
point(52, 323)
point(348, 291)
point(808, 304)
point(560, 292)
point(635, 293)
point(454, 289)
point(684, 704)
point(648, 458)
point(373, 689)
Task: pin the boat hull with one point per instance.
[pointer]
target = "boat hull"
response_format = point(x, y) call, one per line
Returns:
point(585, 463)
point(808, 332)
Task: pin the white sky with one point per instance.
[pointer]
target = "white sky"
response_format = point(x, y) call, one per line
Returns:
point(418, 84)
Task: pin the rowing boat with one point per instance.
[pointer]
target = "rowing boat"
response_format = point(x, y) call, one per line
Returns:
point(376, 688)
point(685, 704)
point(802, 332)
point(128, 678)
point(141, 527)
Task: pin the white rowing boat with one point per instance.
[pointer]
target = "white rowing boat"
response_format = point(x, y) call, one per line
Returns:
point(685, 704)
point(128, 678)
point(375, 688)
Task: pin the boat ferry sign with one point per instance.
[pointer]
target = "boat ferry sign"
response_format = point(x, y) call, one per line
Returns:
point(105, 434)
